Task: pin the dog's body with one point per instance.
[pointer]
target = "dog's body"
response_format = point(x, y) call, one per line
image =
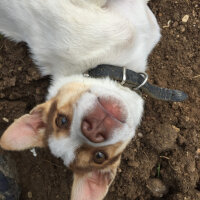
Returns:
point(86, 122)
point(69, 36)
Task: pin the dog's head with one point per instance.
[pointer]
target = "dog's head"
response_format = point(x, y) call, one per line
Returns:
point(88, 123)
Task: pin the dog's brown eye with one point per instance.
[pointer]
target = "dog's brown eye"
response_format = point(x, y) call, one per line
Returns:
point(62, 121)
point(99, 157)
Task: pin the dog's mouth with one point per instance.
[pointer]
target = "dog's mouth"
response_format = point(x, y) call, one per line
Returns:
point(107, 115)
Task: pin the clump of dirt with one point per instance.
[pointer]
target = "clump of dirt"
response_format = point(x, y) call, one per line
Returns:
point(163, 160)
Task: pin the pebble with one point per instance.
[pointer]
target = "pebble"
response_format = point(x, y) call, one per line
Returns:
point(5, 119)
point(191, 167)
point(187, 119)
point(19, 68)
point(33, 151)
point(132, 163)
point(119, 170)
point(140, 135)
point(176, 129)
point(185, 18)
point(37, 91)
point(30, 195)
point(182, 28)
point(197, 156)
point(175, 24)
point(12, 81)
point(157, 187)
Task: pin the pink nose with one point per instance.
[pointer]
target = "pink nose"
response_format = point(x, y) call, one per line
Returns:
point(98, 125)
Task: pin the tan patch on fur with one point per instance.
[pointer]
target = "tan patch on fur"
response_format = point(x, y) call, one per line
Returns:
point(70, 93)
point(84, 158)
point(67, 96)
point(49, 120)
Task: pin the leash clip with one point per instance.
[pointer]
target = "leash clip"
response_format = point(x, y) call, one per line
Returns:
point(145, 76)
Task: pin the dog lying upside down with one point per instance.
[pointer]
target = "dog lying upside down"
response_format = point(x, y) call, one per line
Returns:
point(87, 122)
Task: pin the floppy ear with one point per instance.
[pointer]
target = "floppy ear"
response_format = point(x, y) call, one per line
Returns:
point(93, 185)
point(27, 131)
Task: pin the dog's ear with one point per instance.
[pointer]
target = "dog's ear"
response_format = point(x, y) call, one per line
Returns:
point(27, 131)
point(93, 185)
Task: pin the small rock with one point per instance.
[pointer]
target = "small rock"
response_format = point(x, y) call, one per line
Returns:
point(191, 167)
point(37, 91)
point(5, 119)
point(140, 135)
point(182, 28)
point(132, 163)
point(12, 81)
point(198, 154)
point(19, 68)
point(157, 187)
point(33, 151)
point(176, 128)
point(185, 18)
point(176, 16)
point(181, 140)
point(175, 24)
point(187, 119)
point(33, 73)
point(30, 195)
point(119, 170)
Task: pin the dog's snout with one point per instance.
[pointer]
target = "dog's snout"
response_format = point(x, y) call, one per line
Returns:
point(94, 130)
point(99, 124)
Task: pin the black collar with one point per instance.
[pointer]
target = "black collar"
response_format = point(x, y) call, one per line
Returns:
point(136, 81)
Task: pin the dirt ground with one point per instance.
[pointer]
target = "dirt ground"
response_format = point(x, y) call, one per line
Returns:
point(163, 160)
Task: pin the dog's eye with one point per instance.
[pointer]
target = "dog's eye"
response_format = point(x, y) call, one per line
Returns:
point(62, 121)
point(99, 157)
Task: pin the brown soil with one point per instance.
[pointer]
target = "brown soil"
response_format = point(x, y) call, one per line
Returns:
point(163, 160)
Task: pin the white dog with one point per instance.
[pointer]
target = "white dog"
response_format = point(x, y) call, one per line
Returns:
point(87, 122)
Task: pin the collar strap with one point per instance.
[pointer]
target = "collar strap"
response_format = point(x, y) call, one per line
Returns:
point(136, 81)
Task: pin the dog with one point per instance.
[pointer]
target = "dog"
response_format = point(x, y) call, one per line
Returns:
point(85, 121)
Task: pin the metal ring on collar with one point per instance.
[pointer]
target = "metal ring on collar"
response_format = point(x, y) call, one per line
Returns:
point(145, 75)
point(124, 76)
